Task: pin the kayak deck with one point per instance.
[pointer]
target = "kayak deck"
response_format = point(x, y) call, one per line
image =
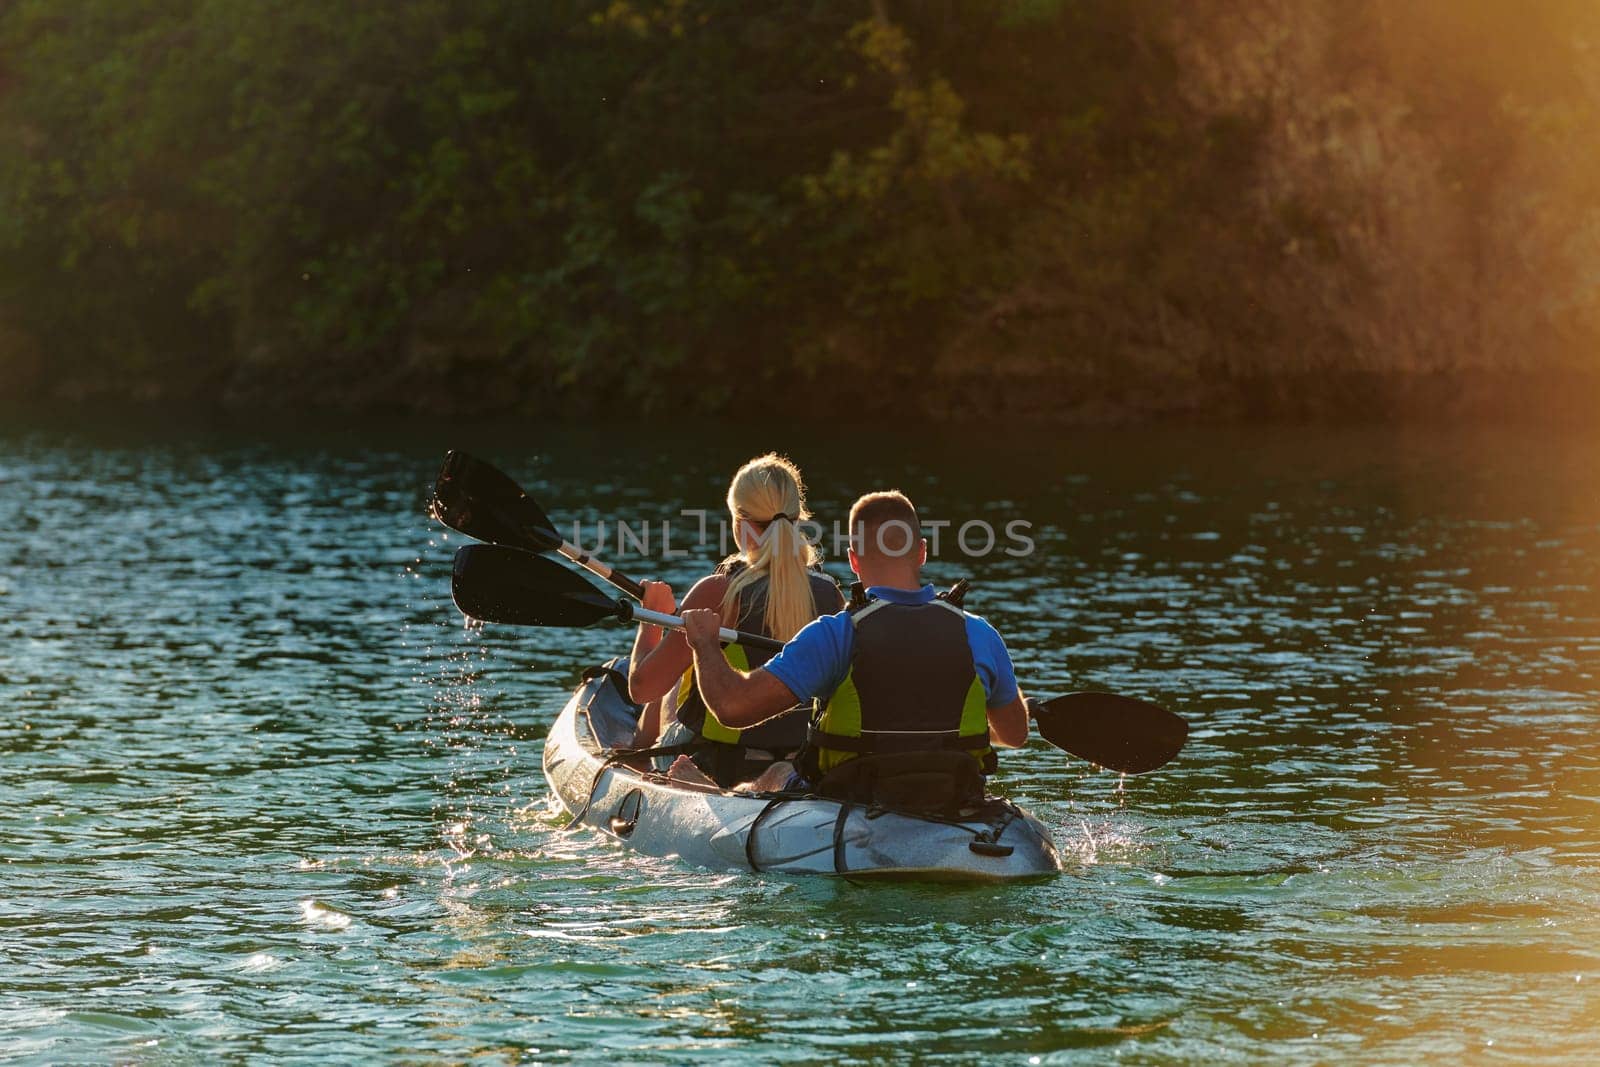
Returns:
point(785, 833)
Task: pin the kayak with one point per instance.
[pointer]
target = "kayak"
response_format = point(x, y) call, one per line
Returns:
point(785, 833)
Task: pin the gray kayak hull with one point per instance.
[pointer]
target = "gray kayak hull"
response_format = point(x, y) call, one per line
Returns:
point(711, 828)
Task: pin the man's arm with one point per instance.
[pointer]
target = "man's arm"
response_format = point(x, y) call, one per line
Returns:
point(739, 699)
point(1008, 724)
point(1008, 721)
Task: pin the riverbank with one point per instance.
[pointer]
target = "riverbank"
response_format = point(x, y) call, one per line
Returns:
point(1092, 212)
point(1348, 398)
point(1336, 397)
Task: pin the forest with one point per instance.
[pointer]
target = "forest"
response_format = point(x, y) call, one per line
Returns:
point(1090, 210)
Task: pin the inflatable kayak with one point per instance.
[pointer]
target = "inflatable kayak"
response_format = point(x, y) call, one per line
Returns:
point(786, 833)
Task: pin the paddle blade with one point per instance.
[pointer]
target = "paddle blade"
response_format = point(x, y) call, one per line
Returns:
point(1116, 732)
point(498, 583)
point(481, 501)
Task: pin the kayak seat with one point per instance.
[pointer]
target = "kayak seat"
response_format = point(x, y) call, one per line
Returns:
point(617, 678)
point(611, 716)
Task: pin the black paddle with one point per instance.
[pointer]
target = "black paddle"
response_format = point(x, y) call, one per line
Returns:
point(499, 583)
point(1119, 733)
point(481, 501)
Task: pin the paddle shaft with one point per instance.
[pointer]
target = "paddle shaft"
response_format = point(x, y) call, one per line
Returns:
point(604, 571)
point(673, 622)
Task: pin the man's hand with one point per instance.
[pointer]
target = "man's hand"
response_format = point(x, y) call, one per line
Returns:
point(702, 627)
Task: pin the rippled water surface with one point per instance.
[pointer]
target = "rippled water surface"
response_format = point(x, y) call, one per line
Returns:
point(268, 798)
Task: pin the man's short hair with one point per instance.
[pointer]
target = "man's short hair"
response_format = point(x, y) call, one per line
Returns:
point(885, 524)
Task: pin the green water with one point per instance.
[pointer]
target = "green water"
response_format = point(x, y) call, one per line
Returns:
point(268, 798)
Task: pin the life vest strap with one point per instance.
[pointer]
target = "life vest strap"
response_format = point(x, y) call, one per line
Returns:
point(746, 752)
point(869, 742)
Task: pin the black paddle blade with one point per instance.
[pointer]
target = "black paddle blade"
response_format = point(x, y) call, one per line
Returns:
point(481, 501)
point(498, 583)
point(1116, 732)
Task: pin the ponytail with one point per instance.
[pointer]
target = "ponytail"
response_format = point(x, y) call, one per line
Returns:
point(768, 490)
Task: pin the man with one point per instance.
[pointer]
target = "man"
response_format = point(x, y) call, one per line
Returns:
point(907, 672)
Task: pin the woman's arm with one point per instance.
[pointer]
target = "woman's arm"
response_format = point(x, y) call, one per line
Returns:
point(657, 597)
point(664, 661)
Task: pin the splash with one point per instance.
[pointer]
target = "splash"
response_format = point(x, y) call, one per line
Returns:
point(1101, 841)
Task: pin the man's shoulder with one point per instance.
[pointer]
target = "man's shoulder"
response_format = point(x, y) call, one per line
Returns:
point(978, 622)
point(981, 633)
point(813, 660)
point(834, 626)
point(823, 633)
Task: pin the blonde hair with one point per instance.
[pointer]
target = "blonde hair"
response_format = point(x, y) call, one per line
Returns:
point(768, 490)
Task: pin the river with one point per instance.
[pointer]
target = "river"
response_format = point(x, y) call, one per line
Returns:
point(269, 799)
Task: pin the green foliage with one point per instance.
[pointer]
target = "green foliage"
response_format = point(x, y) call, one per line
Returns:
point(910, 193)
point(688, 202)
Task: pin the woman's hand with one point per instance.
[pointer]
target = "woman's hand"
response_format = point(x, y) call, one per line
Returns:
point(658, 597)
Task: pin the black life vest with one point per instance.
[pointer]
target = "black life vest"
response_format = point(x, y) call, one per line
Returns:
point(912, 687)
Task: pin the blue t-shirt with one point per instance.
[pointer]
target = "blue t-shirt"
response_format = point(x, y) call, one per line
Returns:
point(816, 660)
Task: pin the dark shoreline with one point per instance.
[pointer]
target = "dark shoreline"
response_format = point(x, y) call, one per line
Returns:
point(1344, 398)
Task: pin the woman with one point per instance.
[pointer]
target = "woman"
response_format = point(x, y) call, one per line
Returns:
point(771, 587)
